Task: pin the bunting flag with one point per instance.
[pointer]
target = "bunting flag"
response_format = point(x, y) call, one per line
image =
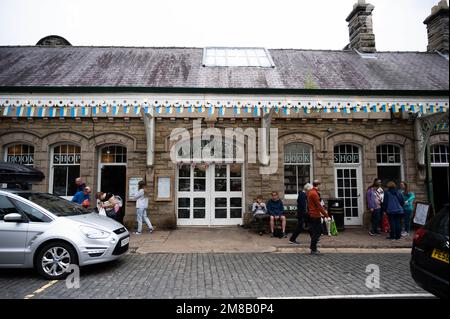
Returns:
point(41, 111)
point(73, 111)
point(62, 112)
point(6, 111)
point(19, 110)
point(211, 110)
point(30, 111)
point(52, 111)
point(256, 111)
point(115, 109)
point(72, 108)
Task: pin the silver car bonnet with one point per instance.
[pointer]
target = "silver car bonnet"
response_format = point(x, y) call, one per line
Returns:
point(95, 220)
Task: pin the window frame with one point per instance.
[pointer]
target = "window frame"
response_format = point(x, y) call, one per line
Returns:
point(244, 51)
point(311, 170)
point(19, 143)
point(52, 165)
point(433, 164)
point(401, 164)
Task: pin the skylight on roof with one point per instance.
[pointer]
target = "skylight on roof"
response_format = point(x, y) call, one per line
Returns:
point(235, 57)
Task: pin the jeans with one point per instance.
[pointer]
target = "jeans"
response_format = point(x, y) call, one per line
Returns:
point(407, 220)
point(376, 218)
point(141, 215)
point(298, 229)
point(394, 225)
point(261, 221)
point(315, 229)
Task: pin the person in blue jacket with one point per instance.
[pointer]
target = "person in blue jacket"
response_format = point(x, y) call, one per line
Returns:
point(275, 209)
point(83, 197)
point(393, 206)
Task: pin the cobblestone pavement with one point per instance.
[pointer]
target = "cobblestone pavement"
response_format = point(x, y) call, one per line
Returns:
point(209, 275)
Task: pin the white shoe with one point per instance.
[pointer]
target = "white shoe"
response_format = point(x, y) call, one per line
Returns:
point(137, 233)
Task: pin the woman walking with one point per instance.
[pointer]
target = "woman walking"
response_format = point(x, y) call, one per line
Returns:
point(393, 206)
point(141, 209)
point(408, 197)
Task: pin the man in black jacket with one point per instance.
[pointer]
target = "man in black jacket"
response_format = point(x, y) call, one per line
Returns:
point(302, 210)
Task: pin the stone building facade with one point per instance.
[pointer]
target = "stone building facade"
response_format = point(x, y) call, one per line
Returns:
point(344, 117)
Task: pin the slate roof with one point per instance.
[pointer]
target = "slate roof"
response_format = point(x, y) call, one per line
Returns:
point(37, 66)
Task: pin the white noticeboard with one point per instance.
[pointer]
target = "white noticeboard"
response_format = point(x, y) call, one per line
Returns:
point(163, 188)
point(133, 186)
point(421, 214)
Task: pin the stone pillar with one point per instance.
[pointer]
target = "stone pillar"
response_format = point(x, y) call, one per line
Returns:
point(360, 28)
point(437, 28)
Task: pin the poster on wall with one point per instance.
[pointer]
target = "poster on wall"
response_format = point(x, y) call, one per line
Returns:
point(421, 213)
point(163, 188)
point(133, 186)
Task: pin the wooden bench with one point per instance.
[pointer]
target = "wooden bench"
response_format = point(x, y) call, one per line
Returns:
point(290, 211)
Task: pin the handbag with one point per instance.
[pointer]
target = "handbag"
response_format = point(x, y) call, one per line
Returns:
point(385, 223)
point(333, 228)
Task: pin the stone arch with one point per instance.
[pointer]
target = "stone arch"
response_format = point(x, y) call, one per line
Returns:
point(65, 137)
point(355, 138)
point(389, 138)
point(108, 138)
point(440, 138)
point(21, 137)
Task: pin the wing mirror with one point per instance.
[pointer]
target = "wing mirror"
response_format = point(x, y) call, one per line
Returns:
point(13, 218)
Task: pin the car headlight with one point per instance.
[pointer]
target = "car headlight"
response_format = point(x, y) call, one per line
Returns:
point(94, 233)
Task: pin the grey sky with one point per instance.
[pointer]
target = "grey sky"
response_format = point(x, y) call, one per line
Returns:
point(398, 24)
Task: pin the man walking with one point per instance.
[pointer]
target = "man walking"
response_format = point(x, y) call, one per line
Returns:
point(80, 184)
point(316, 211)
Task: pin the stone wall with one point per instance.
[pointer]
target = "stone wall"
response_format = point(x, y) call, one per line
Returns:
point(321, 134)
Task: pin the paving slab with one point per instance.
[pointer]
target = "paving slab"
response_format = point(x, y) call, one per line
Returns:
point(241, 240)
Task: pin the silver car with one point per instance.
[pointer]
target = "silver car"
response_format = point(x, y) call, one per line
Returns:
point(50, 233)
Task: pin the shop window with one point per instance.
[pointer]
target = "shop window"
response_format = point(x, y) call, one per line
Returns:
point(297, 168)
point(20, 154)
point(66, 161)
point(389, 163)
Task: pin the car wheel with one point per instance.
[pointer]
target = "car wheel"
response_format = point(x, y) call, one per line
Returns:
point(54, 259)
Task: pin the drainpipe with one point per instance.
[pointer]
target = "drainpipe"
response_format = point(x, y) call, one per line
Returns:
point(429, 178)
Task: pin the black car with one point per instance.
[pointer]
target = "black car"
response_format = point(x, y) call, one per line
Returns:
point(429, 257)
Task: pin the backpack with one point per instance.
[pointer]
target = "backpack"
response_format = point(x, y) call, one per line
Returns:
point(277, 232)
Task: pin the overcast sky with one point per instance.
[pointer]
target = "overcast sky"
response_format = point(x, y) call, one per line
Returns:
point(312, 24)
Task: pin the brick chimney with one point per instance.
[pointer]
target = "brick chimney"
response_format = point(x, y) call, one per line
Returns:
point(437, 27)
point(360, 28)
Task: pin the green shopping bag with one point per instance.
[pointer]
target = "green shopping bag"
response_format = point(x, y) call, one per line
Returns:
point(333, 228)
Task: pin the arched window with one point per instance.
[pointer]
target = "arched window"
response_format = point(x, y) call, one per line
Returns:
point(346, 154)
point(389, 163)
point(65, 169)
point(20, 154)
point(297, 168)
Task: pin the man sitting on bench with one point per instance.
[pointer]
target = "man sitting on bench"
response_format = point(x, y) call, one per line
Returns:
point(275, 209)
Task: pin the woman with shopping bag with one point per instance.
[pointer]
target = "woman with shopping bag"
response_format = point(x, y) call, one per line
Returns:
point(108, 204)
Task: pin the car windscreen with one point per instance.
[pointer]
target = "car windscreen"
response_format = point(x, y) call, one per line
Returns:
point(56, 205)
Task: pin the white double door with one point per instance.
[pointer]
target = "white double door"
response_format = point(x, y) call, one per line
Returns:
point(210, 195)
point(349, 188)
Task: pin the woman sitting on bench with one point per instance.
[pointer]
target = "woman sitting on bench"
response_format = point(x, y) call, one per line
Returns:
point(259, 214)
